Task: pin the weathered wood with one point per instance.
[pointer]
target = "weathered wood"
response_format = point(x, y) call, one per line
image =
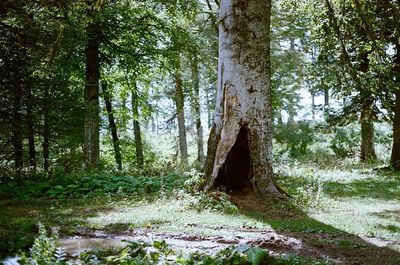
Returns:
point(243, 99)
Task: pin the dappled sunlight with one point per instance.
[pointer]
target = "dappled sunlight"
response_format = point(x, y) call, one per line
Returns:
point(173, 216)
point(365, 218)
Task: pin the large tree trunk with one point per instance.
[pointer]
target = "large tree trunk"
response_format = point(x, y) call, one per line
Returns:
point(395, 157)
point(92, 121)
point(46, 131)
point(136, 126)
point(113, 127)
point(31, 129)
point(180, 109)
point(240, 143)
point(17, 127)
point(197, 107)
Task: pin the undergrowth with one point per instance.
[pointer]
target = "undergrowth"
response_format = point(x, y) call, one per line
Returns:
point(89, 185)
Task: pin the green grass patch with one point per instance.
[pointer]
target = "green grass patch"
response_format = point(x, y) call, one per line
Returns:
point(382, 188)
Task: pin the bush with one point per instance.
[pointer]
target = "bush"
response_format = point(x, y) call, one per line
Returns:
point(344, 142)
point(296, 137)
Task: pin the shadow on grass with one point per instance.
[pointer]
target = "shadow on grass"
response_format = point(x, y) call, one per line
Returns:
point(318, 240)
point(19, 219)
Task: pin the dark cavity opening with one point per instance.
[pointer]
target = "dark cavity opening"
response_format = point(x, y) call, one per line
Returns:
point(234, 175)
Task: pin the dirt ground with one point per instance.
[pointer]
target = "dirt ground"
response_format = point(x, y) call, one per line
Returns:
point(338, 247)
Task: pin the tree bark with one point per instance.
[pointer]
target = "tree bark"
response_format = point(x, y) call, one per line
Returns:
point(31, 129)
point(17, 127)
point(46, 131)
point(240, 143)
point(112, 125)
point(136, 126)
point(395, 156)
point(326, 97)
point(197, 106)
point(91, 94)
point(367, 136)
point(180, 109)
point(313, 105)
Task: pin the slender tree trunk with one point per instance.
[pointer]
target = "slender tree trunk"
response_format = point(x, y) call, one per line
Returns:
point(92, 120)
point(279, 116)
point(17, 127)
point(180, 109)
point(31, 129)
point(395, 157)
point(197, 107)
point(136, 127)
point(113, 127)
point(240, 143)
point(367, 136)
point(313, 105)
point(366, 118)
point(291, 112)
point(46, 131)
point(209, 112)
point(326, 97)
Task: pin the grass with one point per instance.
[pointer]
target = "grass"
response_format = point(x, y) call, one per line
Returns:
point(379, 187)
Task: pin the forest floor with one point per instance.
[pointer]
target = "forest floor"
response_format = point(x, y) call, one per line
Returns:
point(346, 217)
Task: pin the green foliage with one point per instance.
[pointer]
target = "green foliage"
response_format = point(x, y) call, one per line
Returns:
point(296, 137)
point(44, 250)
point(384, 187)
point(212, 201)
point(195, 183)
point(200, 200)
point(89, 185)
point(306, 192)
point(345, 141)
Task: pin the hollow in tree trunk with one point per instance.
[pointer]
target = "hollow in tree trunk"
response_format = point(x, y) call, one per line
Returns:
point(136, 126)
point(112, 125)
point(240, 143)
point(91, 94)
point(180, 109)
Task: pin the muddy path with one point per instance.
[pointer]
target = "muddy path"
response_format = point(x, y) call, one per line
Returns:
point(337, 246)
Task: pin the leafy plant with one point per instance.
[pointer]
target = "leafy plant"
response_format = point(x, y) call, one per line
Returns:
point(296, 137)
point(344, 142)
point(44, 250)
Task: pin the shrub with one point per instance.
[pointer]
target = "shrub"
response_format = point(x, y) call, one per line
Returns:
point(296, 137)
point(344, 142)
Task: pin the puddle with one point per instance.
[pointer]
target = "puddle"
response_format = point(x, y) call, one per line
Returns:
point(77, 245)
point(10, 261)
point(181, 243)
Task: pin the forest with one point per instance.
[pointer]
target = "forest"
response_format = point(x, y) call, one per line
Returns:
point(200, 132)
